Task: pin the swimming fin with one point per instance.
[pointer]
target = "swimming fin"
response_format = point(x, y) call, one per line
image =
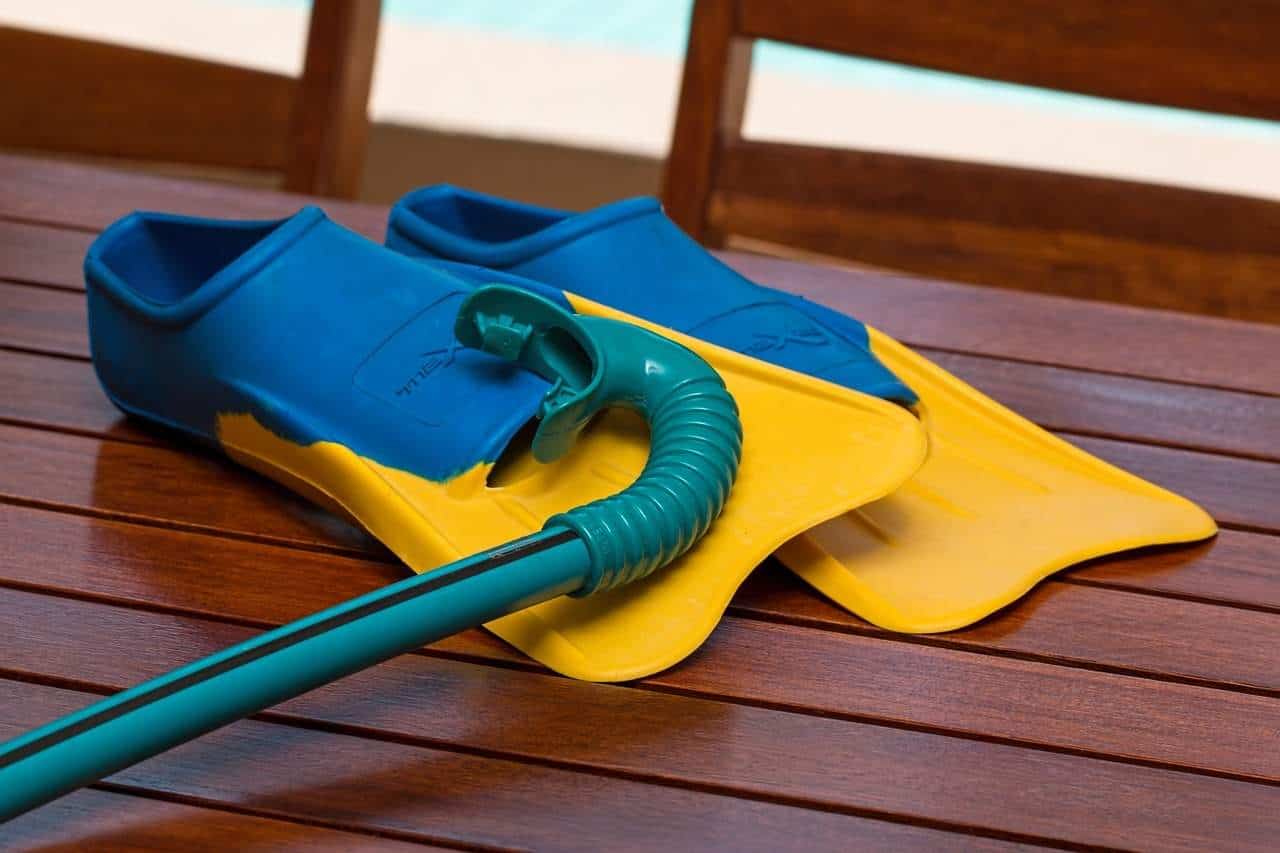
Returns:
point(329, 363)
point(998, 505)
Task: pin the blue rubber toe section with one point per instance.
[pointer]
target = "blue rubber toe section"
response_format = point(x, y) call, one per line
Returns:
point(631, 256)
point(318, 333)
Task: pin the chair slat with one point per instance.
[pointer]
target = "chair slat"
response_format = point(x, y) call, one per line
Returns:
point(1144, 244)
point(85, 97)
point(1196, 54)
point(1015, 228)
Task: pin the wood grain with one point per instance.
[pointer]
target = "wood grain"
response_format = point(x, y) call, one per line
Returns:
point(969, 222)
point(1196, 56)
point(1070, 623)
point(41, 254)
point(1243, 492)
point(1242, 569)
point(130, 481)
point(70, 94)
point(136, 481)
point(1034, 327)
point(1110, 338)
point(84, 197)
point(62, 394)
point(745, 660)
point(110, 101)
point(875, 183)
point(1099, 238)
point(330, 119)
point(109, 822)
point(65, 394)
point(1153, 412)
point(459, 799)
point(772, 754)
point(45, 320)
point(713, 96)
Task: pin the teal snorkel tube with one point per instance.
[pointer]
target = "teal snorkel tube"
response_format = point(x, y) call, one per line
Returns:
point(593, 363)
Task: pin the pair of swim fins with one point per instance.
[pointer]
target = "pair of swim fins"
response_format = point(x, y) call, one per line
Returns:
point(330, 363)
point(327, 362)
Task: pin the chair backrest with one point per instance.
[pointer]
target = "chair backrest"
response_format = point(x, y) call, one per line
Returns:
point(85, 97)
point(1125, 241)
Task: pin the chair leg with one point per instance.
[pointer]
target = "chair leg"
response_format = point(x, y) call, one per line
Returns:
point(713, 95)
point(331, 113)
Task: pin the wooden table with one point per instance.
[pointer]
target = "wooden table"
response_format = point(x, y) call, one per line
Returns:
point(1133, 702)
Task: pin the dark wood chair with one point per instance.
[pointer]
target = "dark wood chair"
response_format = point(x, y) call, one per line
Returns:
point(1105, 239)
point(85, 97)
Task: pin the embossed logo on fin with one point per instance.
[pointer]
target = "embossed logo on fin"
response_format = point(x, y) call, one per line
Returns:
point(778, 339)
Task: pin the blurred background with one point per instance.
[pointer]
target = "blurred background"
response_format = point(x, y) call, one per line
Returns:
point(572, 103)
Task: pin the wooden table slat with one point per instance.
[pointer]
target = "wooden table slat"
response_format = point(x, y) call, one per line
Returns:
point(1085, 625)
point(43, 319)
point(770, 754)
point(1033, 327)
point(41, 254)
point(1241, 492)
point(141, 480)
point(90, 198)
point(460, 799)
point(63, 394)
point(1155, 412)
point(1239, 569)
point(108, 821)
point(775, 665)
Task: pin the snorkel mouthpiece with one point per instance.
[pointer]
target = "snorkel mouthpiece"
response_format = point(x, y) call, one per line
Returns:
point(695, 441)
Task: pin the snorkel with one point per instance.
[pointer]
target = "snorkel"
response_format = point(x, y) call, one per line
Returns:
point(593, 363)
